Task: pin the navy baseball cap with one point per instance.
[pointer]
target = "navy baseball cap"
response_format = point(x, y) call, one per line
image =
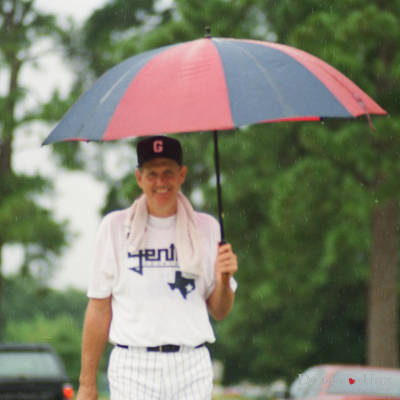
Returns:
point(158, 147)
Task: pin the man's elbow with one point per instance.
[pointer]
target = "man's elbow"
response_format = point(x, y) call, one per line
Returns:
point(220, 315)
point(220, 311)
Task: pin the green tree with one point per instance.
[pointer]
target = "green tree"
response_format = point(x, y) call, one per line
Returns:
point(361, 39)
point(23, 220)
point(25, 297)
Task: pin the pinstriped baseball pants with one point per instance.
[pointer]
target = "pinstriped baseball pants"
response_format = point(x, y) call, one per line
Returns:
point(136, 374)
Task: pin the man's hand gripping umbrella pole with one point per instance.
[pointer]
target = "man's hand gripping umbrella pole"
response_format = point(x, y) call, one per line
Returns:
point(222, 298)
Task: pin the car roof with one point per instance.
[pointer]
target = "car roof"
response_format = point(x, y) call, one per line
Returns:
point(26, 347)
point(336, 367)
point(35, 348)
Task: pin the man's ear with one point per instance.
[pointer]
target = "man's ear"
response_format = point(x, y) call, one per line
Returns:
point(183, 173)
point(138, 177)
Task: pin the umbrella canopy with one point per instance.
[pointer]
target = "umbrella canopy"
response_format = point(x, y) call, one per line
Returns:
point(211, 84)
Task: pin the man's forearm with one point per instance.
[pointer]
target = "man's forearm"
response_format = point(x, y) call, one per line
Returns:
point(95, 336)
point(221, 300)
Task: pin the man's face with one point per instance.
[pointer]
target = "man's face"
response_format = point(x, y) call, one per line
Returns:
point(160, 179)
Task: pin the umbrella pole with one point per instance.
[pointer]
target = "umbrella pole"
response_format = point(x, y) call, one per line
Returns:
point(219, 194)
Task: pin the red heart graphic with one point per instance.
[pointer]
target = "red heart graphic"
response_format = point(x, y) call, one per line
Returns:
point(352, 381)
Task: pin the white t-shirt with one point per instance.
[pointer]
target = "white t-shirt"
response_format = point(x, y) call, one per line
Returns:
point(152, 303)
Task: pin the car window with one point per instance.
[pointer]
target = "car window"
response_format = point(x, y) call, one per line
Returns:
point(307, 384)
point(28, 365)
point(370, 382)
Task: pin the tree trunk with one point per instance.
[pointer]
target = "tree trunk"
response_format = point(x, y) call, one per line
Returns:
point(382, 328)
point(2, 319)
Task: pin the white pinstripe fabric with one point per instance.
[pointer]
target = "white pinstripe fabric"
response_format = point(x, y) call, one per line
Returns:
point(135, 374)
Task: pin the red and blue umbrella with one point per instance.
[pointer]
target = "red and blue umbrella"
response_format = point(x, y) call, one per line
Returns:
point(211, 84)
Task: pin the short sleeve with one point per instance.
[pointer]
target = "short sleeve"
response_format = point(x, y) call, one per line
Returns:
point(232, 283)
point(105, 260)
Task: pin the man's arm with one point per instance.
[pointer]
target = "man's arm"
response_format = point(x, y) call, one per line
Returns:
point(221, 300)
point(94, 339)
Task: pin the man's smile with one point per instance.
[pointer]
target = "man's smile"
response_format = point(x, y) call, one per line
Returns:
point(162, 190)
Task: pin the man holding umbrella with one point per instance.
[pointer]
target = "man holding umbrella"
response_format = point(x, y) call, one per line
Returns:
point(208, 84)
point(158, 272)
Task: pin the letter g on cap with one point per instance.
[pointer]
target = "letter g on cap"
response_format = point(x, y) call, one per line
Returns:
point(158, 146)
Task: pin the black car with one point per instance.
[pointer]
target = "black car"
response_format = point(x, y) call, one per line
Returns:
point(32, 371)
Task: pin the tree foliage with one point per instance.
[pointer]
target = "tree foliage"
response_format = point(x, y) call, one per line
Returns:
point(24, 221)
point(360, 39)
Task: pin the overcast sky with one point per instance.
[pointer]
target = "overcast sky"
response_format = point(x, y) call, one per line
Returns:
point(78, 9)
point(29, 156)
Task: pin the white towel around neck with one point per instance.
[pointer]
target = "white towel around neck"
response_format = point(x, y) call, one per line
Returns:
point(187, 241)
